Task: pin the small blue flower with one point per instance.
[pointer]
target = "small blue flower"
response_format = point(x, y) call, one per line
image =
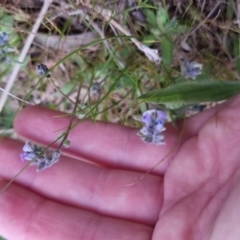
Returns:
point(49, 160)
point(191, 69)
point(95, 89)
point(42, 70)
point(154, 126)
point(32, 152)
point(3, 38)
point(4, 48)
point(37, 156)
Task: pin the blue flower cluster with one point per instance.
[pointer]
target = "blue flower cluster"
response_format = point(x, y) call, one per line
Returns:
point(4, 47)
point(37, 156)
point(154, 126)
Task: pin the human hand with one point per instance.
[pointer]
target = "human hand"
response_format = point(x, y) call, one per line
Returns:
point(193, 194)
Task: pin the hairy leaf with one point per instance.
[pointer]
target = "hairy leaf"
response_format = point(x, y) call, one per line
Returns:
point(193, 92)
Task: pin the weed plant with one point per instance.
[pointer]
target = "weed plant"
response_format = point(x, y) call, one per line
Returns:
point(104, 58)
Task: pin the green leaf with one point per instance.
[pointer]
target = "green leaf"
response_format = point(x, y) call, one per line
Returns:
point(149, 39)
point(150, 17)
point(162, 18)
point(6, 25)
point(166, 49)
point(193, 92)
point(230, 9)
point(67, 88)
point(172, 26)
point(236, 52)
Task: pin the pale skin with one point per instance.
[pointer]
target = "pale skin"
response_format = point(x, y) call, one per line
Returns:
point(194, 194)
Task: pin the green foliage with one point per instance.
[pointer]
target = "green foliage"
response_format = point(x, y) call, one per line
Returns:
point(162, 18)
point(7, 117)
point(6, 25)
point(191, 92)
point(166, 50)
point(236, 52)
point(164, 29)
point(150, 17)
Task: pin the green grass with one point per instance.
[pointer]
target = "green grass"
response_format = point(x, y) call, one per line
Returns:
point(128, 73)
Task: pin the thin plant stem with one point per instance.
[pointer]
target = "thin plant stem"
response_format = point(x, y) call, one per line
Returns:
point(71, 120)
point(3, 90)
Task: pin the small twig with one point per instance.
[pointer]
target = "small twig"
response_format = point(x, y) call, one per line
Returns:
point(24, 52)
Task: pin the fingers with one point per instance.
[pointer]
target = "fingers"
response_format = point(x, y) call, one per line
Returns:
point(201, 177)
point(26, 215)
point(107, 144)
point(88, 186)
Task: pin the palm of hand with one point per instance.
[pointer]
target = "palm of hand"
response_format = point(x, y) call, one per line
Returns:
point(193, 195)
